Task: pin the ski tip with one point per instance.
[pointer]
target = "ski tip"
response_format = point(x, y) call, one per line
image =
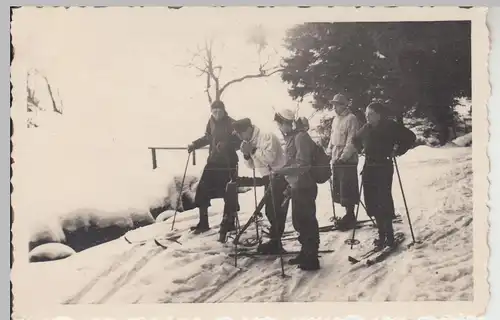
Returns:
point(159, 244)
point(126, 239)
point(174, 239)
point(352, 260)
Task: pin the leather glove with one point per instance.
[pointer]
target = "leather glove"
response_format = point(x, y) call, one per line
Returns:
point(246, 148)
point(190, 148)
point(395, 151)
point(287, 192)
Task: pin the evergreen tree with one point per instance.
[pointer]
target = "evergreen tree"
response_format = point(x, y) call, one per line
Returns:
point(416, 68)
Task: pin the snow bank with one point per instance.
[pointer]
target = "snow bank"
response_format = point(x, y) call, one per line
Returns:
point(50, 252)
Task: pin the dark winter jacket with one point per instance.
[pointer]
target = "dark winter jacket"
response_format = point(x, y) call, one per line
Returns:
point(299, 150)
point(379, 141)
point(223, 143)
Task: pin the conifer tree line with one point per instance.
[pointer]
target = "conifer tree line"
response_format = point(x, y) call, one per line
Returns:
point(418, 69)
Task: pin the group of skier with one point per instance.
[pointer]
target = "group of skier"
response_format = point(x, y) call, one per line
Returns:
point(288, 172)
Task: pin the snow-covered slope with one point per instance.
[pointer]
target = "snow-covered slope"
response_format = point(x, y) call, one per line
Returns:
point(438, 188)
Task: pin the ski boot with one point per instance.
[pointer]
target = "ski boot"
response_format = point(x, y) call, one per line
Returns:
point(347, 222)
point(389, 241)
point(200, 228)
point(231, 208)
point(228, 224)
point(378, 244)
point(309, 262)
point(297, 260)
point(270, 247)
point(202, 225)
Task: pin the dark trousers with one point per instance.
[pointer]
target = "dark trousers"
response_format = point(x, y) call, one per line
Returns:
point(213, 181)
point(275, 199)
point(304, 218)
point(377, 185)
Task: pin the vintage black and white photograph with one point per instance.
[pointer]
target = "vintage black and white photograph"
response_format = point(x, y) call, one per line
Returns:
point(233, 155)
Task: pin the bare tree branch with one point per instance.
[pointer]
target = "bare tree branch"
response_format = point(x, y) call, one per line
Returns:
point(208, 67)
point(51, 94)
point(262, 66)
point(33, 103)
point(262, 74)
point(192, 65)
point(54, 104)
point(194, 56)
point(207, 90)
point(219, 69)
point(31, 124)
point(32, 100)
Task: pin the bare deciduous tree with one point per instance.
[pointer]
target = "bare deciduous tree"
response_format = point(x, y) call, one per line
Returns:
point(208, 68)
point(33, 103)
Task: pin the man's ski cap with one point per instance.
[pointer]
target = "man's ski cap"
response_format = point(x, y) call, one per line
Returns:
point(285, 115)
point(242, 125)
point(303, 122)
point(340, 99)
point(217, 104)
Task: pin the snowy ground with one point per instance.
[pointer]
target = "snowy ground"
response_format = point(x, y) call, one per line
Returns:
point(438, 186)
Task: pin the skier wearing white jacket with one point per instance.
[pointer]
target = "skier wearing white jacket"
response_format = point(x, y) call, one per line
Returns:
point(262, 150)
point(344, 160)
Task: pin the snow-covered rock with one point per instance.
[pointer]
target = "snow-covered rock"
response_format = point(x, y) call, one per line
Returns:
point(175, 192)
point(463, 141)
point(50, 252)
point(83, 228)
point(43, 231)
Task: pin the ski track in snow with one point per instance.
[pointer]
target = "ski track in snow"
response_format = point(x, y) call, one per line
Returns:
point(199, 270)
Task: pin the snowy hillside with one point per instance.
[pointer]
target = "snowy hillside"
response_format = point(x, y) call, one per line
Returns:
point(199, 269)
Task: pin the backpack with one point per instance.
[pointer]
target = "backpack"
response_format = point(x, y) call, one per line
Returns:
point(320, 167)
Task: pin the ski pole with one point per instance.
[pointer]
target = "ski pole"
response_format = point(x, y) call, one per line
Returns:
point(333, 200)
point(255, 200)
point(280, 247)
point(371, 219)
point(357, 211)
point(180, 193)
point(404, 200)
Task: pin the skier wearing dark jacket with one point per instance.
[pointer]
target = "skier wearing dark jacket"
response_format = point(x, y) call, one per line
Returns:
point(382, 139)
point(299, 153)
point(222, 162)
